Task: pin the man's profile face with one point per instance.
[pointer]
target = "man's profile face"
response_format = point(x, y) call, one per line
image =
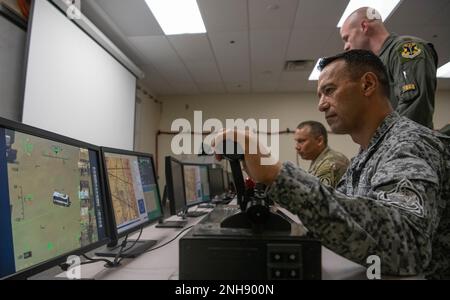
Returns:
point(353, 37)
point(307, 145)
point(340, 98)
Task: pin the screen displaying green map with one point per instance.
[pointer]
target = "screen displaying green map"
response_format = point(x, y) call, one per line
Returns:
point(53, 198)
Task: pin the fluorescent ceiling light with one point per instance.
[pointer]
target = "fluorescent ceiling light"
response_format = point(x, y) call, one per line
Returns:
point(444, 71)
point(315, 72)
point(384, 7)
point(177, 16)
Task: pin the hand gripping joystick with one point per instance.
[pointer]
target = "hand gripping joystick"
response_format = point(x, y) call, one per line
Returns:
point(253, 201)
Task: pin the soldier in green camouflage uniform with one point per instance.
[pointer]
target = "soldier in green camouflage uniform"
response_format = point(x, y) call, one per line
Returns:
point(393, 200)
point(411, 63)
point(328, 165)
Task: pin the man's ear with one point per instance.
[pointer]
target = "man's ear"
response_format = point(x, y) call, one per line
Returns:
point(320, 140)
point(369, 84)
point(364, 26)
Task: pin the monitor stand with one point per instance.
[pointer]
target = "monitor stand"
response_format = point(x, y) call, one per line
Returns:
point(206, 205)
point(172, 224)
point(140, 247)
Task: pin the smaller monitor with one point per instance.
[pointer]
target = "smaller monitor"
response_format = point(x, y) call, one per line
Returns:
point(196, 187)
point(216, 181)
point(196, 184)
point(134, 198)
point(175, 192)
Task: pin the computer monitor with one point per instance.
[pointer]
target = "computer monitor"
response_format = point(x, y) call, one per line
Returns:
point(133, 194)
point(52, 202)
point(216, 181)
point(196, 184)
point(175, 192)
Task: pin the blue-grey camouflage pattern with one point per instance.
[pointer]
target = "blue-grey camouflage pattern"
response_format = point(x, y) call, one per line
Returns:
point(392, 202)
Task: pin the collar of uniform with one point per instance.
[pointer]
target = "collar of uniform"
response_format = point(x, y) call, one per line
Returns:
point(319, 158)
point(388, 122)
point(387, 43)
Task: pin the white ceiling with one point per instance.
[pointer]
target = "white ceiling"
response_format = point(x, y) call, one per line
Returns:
point(249, 41)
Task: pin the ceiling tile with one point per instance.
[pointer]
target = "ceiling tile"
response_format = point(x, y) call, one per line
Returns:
point(224, 16)
point(204, 72)
point(192, 47)
point(134, 18)
point(272, 14)
point(232, 58)
point(154, 49)
point(268, 49)
point(414, 13)
point(319, 13)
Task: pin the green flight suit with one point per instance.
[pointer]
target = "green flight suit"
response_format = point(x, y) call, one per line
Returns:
point(411, 64)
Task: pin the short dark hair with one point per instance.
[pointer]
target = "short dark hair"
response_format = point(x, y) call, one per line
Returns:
point(317, 129)
point(359, 62)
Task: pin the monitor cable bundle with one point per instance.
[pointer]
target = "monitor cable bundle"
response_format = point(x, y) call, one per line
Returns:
point(108, 263)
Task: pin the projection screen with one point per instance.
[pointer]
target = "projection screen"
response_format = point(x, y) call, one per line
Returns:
point(73, 86)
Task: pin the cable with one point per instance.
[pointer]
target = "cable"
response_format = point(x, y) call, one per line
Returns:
point(127, 249)
point(170, 240)
point(117, 259)
point(92, 260)
point(135, 242)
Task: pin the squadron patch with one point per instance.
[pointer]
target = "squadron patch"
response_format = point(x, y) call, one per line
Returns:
point(405, 197)
point(410, 50)
point(408, 87)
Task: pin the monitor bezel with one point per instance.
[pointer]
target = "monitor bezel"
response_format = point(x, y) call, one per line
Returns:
point(170, 187)
point(44, 134)
point(191, 204)
point(115, 234)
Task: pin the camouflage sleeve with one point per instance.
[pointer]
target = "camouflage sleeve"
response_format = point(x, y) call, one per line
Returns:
point(414, 70)
point(357, 227)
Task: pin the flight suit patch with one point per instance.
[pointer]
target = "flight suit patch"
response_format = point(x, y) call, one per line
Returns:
point(410, 50)
point(408, 87)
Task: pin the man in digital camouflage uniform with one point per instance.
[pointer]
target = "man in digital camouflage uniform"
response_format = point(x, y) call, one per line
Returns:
point(393, 200)
point(328, 165)
point(411, 63)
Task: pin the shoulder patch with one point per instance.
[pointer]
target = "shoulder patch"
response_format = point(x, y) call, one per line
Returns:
point(410, 50)
point(405, 197)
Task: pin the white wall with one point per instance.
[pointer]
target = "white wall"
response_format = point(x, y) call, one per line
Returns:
point(442, 109)
point(148, 116)
point(290, 109)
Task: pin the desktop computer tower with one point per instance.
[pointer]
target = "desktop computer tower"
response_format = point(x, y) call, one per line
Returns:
point(238, 254)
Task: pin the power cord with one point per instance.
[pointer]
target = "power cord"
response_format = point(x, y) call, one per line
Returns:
point(124, 243)
point(117, 258)
point(152, 249)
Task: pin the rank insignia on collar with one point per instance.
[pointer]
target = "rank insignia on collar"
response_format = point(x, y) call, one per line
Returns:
point(410, 50)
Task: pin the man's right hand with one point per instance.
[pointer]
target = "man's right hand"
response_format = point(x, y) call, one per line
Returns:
point(259, 164)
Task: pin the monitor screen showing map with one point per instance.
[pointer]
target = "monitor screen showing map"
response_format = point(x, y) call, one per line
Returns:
point(196, 184)
point(51, 199)
point(132, 188)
